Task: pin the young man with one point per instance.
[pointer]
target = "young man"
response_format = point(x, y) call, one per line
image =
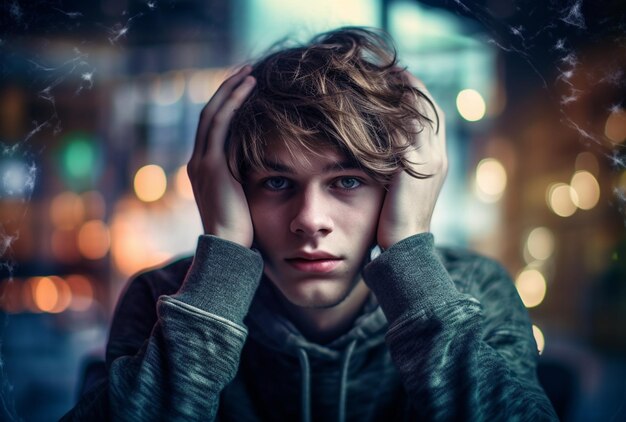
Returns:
point(316, 292)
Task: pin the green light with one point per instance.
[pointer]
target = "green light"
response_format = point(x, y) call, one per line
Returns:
point(78, 158)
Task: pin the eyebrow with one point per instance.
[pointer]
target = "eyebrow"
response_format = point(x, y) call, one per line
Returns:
point(343, 165)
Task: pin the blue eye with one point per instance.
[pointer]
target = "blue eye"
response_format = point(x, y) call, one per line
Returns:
point(276, 183)
point(349, 183)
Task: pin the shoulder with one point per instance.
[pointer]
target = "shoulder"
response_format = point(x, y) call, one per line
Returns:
point(478, 275)
point(489, 282)
point(466, 266)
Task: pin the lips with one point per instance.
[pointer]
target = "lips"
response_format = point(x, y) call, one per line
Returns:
point(317, 262)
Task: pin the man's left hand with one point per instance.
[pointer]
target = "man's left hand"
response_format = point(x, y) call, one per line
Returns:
point(409, 202)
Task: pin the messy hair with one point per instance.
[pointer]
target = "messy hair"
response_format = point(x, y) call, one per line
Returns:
point(343, 89)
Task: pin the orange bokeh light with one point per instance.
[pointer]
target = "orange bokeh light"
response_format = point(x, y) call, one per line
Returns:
point(67, 210)
point(45, 294)
point(94, 239)
point(64, 294)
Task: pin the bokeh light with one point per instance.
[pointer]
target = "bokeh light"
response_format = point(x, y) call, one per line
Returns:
point(67, 210)
point(471, 105)
point(615, 126)
point(539, 339)
point(587, 189)
point(540, 243)
point(183, 185)
point(531, 286)
point(129, 231)
point(562, 199)
point(94, 239)
point(82, 292)
point(491, 180)
point(64, 294)
point(78, 156)
point(45, 294)
point(150, 183)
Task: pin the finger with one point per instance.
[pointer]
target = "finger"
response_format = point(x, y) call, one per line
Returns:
point(225, 89)
point(223, 116)
point(210, 108)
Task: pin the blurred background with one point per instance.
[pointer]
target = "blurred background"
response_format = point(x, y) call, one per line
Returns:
point(99, 103)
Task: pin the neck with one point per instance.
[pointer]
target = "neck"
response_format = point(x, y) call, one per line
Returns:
point(322, 325)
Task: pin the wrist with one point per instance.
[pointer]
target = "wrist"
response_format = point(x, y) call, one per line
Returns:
point(234, 236)
point(386, 241)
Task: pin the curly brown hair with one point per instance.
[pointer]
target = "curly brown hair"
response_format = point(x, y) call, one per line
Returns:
point(344, 89)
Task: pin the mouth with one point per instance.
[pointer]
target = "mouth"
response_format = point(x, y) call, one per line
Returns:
point(314, 263)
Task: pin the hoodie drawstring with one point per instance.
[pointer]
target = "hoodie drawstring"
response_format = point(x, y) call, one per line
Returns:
point(343, 384)
point(306, 383)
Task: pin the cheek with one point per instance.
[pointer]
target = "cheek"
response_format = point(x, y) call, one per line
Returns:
point(267, 222)
point(361, 218)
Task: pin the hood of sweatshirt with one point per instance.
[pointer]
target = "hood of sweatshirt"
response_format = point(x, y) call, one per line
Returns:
point(276, 332)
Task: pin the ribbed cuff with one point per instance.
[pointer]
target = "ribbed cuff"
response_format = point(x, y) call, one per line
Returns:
point(222, 279)
point(409, 276)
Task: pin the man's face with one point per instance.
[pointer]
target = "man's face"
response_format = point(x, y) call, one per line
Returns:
point(315, 219)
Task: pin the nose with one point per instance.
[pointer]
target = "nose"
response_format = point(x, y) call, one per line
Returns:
point(311, 213)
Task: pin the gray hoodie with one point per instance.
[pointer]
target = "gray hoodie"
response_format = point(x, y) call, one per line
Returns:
point(443, 336)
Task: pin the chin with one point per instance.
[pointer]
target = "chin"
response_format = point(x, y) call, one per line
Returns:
point(315, 294)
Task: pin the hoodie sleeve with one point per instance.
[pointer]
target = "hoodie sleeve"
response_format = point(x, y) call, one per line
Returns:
point(177, 369)
point(461, 356)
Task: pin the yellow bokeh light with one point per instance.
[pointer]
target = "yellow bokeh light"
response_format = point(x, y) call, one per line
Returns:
point(150, 183)
point(540, 243)
point(539, 339)
point(587, 189)
point(562, 199)
point(183, 185)
point(531, 286)
point(45, 294)
point(471, 105)
point(587, 161)
point(615, 127)
point(128, 248)
point(490, 179)
point(94, 239)
point(67, 210)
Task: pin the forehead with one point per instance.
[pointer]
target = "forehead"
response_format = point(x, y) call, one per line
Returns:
point(310, 157)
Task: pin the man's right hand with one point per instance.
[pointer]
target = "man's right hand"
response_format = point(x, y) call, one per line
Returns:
point(220, 198)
